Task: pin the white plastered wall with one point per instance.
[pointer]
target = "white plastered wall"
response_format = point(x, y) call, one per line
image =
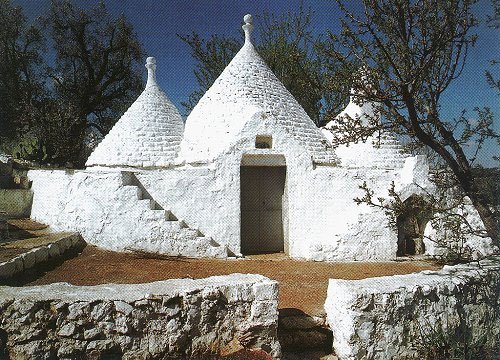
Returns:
point(324, 223)
point(207, 196)
point(112, 215)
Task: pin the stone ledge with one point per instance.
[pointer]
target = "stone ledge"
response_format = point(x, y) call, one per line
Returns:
point(40, 255)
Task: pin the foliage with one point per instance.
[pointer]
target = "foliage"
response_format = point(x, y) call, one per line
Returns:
point(488, 184)
point(97, 59)
point(445, 206)
point(436, 344)
point(288, 47)
point(467, 340)
point(409, 53)
point(47, 110)
point(494, 22)
point(20, 66)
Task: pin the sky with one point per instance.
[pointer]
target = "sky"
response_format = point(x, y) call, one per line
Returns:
point(157, 23)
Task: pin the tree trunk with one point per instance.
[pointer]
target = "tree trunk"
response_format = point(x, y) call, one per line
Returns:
point(461, 167)
point(487, 218)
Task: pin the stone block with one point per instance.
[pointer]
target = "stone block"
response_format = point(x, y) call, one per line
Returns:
point(54, 250)
point(7, 269)
point(264, 310)
point(265, 291)
point(123, 307)
point(67, 330)
point(16, 202)
point(41, 254)
point(29, 260)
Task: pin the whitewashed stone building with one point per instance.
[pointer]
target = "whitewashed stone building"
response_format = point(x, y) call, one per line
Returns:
point(248, 173)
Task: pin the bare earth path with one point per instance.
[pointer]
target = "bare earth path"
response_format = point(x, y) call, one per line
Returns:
point(303, 284)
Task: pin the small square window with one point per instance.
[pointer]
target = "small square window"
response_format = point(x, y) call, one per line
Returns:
point(263, 142)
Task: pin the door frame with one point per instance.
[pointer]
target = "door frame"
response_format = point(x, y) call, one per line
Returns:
point(268, 160)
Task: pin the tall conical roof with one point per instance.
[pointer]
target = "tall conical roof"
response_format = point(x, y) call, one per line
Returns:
point(147, 135)
point(247, 86)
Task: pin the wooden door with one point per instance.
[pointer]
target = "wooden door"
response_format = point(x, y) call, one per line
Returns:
point(262, 190)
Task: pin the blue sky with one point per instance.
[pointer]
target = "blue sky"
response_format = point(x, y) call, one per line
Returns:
point(157, 22)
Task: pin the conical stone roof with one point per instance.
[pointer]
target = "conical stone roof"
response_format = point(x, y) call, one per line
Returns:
point(247, 86)
point(147, 135)
point(381, 150)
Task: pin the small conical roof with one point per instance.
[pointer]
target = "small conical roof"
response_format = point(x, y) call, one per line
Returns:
point(381, 150)
point(247, 86)
point(147, 135)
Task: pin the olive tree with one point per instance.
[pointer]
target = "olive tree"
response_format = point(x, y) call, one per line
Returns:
point(410, 51)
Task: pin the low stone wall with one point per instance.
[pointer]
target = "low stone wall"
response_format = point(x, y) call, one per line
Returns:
point(395, 317)
point(15, 203)
point(40, 255)
point(181, 318)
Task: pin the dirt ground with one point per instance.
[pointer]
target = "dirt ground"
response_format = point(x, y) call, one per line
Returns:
point(302, 284)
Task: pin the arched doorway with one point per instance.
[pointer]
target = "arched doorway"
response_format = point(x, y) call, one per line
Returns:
point(263, 204)
point(411, 223)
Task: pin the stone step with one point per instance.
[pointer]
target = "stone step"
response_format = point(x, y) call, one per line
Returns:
point(189, 234)
point(169, 216)
point(154, 212)
point(154, 215)
point(153, 205)
point(298, 331)
point(145, 204)
point(132, 191)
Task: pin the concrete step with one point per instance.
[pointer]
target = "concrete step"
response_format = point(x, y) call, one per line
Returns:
point(154, 212)
point(145, 204)
point(154, 215)
point(169, 216)
point(153, 205)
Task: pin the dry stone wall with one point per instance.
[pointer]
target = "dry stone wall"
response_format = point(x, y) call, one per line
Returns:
point(179, 318)
point(396, 317)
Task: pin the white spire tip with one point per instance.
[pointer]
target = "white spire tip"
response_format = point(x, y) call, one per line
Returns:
point(151, 66)
point(150, 61)
point(248, 19)
point(248, 27)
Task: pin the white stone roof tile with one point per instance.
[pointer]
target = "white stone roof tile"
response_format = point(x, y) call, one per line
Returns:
point(147, 135)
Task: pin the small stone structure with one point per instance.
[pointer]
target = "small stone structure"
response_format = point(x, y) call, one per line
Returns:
point(15, 203)
point(15, 195)
point(180, 318)
point(392, 317)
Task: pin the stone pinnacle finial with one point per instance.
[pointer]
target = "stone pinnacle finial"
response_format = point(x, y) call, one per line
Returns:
point(248, 27)
point(151, 66)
